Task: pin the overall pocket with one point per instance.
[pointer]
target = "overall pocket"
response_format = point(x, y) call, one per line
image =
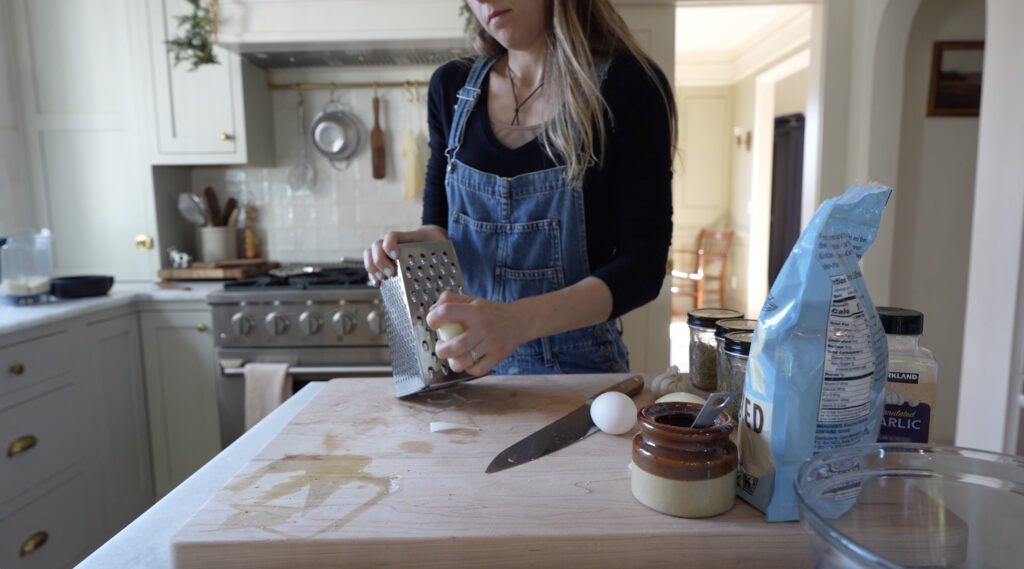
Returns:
point(523, 259)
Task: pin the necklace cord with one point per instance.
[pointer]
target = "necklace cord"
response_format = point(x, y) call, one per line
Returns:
point(515, 96)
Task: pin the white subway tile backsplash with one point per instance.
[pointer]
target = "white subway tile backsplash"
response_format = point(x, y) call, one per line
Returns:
point(346, 209)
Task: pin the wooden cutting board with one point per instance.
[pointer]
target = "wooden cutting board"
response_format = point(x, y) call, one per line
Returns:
point(357, 479)
point(223, 270)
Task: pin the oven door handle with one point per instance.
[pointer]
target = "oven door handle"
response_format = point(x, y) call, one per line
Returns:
point(314, 370)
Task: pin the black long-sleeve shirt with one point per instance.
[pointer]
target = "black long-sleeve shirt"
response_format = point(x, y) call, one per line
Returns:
point(627, 198)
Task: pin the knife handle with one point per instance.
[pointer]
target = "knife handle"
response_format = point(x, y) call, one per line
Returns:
point(630, 387)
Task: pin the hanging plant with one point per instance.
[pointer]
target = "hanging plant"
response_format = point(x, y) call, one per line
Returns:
point(195, 42)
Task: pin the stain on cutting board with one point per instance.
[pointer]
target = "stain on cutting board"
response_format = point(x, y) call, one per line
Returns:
point(266, 490)
point(416, 447)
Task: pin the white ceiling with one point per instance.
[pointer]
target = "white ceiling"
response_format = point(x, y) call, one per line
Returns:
point(728, 29)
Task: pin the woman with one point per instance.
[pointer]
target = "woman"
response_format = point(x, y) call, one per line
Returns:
point(550, 171)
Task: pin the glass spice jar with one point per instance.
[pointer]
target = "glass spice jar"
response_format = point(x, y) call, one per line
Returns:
point(723, 327)
point(679, 470)
point(703, 348)
point(732, 373)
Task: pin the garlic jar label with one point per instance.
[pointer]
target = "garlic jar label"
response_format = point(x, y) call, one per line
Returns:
point(908, 410)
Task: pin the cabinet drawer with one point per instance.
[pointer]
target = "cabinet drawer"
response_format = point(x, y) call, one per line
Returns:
point(34, 360)
point(61, 516)
point(38, 439)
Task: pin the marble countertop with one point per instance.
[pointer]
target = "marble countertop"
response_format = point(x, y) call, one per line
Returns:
point(146, 541)
point(16, 318)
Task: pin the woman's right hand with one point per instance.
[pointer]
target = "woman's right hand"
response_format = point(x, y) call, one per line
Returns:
point(379, 257)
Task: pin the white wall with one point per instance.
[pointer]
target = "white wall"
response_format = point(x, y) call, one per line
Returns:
point(791, 94)
point(700, 188)
point(994, 326)
point(17, 210)
point(935, 189)
point(743, 171)
point(348, 208)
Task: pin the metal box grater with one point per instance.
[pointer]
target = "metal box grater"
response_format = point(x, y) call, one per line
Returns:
point(425, 270)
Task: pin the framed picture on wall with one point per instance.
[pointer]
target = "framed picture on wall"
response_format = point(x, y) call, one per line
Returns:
point(955, 88)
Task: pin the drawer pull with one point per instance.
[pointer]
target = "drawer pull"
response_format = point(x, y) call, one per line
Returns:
point(225, 136)
point(33, 543)
point(17, 369)
point(201, 327)
point(21, 444)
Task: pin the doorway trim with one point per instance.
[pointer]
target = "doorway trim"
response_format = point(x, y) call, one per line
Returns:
point(759, 210)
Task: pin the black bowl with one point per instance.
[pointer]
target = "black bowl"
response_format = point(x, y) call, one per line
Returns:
point(81, 287)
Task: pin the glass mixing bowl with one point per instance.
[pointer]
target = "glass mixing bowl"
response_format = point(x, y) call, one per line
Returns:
point(896, 505)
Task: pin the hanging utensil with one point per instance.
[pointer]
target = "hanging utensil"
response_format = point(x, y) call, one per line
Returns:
point(377, 140)
point(191, 208)
point(302, 176)
point(335, 134)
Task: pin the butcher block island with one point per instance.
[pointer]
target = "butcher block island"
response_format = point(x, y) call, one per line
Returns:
point(358, 479)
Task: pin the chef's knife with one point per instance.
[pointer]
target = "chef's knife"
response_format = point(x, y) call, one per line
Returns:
point(560, 434)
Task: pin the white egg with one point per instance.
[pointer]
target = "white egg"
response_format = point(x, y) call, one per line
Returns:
point(448, 331)
point(681, 396)
point(613, 412)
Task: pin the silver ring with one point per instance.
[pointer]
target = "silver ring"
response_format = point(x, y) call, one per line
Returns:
point(473, 354)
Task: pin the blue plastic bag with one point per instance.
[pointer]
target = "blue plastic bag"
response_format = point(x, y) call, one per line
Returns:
point(817, 366)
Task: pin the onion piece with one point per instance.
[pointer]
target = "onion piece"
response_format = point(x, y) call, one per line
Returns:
point(441, 426)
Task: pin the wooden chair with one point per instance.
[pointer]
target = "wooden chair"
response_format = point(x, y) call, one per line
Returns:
point(710, 261)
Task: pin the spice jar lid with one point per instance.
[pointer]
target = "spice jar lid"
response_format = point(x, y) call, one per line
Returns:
point(723, 327)
point(738, 343)
point(901, 321)
point(706, 317)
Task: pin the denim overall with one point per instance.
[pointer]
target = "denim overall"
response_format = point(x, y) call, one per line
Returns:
point(524, 236)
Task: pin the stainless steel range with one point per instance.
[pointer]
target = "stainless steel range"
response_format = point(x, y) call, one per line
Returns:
point(325, 321)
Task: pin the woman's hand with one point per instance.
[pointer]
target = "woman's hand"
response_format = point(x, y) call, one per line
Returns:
point(491, 331)
point(379, 257)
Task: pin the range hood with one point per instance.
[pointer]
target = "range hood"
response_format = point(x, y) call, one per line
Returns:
point(382, 54)
point(318, 33)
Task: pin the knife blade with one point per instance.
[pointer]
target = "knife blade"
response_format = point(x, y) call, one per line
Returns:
point(574, 426)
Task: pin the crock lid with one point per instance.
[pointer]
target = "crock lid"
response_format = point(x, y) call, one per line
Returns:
point(738, 343)
point(706, 317)
point(901, 321)
point(723, 327)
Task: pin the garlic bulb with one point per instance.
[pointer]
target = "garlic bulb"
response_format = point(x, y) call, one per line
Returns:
point(670, 381)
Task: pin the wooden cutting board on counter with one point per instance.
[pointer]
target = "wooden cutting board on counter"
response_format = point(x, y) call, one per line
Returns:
point(358, 479)
point(222, 270)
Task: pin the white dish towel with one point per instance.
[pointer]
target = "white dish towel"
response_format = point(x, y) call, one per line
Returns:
point(267, 385)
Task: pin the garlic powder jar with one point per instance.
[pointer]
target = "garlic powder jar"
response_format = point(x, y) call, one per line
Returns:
point(911, 379)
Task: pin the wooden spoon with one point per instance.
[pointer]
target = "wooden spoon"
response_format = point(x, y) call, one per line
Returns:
point(212, 206)
point(377, 142)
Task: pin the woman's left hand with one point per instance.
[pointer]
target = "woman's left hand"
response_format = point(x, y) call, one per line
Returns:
point(491, 331)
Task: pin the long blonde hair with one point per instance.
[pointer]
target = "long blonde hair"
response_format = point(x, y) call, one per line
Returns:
point(579, 30)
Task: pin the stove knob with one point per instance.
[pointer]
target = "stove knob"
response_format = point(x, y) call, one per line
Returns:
point(242, 324)
point(343, 323)
point(310, 323)
point(375, 320)
point(277, 324)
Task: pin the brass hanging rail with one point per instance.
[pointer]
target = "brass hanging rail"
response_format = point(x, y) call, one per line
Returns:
point(336, 86)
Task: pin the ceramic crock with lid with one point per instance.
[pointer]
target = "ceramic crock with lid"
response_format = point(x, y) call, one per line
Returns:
point(679, 470)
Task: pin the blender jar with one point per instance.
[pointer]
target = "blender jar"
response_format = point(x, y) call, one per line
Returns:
point(25, 268)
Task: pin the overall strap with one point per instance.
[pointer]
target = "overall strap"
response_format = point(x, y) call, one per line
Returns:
point(467, 97)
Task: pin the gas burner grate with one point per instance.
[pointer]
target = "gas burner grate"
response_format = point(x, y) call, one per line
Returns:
point(336, 277)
